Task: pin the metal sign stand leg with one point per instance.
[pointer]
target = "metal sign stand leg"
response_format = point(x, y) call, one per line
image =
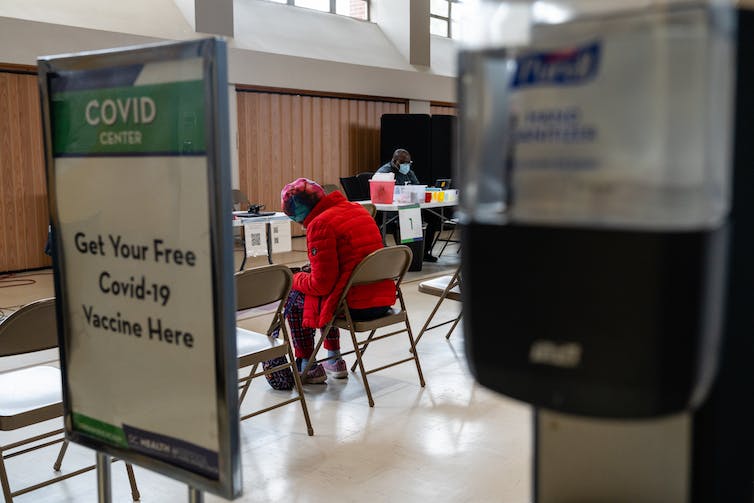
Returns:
point(195, 495)
point(104, 485)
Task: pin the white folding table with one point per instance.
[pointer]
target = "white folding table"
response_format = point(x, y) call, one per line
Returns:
point(433, 207)
point(240, 218)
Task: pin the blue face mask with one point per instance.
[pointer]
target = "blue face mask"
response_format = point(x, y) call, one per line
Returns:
point(404, 168)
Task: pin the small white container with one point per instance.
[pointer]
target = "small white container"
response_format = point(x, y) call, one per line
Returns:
point(415, 193)
point(400, 195)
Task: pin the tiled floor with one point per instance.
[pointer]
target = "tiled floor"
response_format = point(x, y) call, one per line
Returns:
point(451, 441)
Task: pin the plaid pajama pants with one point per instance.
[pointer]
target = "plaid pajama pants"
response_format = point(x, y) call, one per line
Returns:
point(303, 338)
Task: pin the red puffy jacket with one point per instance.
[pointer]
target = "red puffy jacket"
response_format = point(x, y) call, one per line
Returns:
point(339, 234)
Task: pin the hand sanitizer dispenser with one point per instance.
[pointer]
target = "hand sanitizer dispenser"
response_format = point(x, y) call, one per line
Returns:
point(595, 200)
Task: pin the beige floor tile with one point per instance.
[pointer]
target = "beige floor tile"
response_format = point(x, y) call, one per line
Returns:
point(450, 441)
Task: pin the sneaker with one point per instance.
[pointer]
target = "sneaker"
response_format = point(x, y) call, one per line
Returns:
point(430, 258)
point(315, 375)
point(336, 368)
point(282, 379)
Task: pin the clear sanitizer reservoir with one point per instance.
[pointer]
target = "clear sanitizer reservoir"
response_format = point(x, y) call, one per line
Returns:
point(595, 173)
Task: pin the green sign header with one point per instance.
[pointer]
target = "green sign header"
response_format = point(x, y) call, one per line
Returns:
point(162, 119)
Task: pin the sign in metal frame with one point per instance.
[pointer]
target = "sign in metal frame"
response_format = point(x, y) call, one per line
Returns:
point(138, 177)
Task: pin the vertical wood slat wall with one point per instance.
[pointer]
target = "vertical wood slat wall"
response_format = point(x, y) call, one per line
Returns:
point(285, 136)
point(23, 191)
point(282, 136)
point(436, 109)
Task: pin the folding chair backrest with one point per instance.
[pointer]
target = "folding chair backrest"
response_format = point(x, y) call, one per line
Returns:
point(329, 188)
point(371, 208)
point(390, 262)
point(240, 200)
point(262, 285)
point(35, 395)
point(32, 328)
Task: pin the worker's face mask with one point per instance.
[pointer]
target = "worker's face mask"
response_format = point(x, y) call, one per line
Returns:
point(404, 168)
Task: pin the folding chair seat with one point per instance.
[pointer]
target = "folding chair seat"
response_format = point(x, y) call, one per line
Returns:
point(257, 287)
point(33, 395)
point(444, 287)
point(389, 263)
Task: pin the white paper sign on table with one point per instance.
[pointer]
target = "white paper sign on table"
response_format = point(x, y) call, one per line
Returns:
point(410, 222)
point(281, 236)
point(255, 234)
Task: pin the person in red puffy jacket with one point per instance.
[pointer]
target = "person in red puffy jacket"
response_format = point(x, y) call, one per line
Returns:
point(339, 234)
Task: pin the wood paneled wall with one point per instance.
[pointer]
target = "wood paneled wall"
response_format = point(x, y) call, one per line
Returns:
point(442, 109)
point(23, 193)
point(285, 136)
point(282, 135)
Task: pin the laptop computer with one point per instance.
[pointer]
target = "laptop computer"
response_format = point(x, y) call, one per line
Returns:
point(443, 183)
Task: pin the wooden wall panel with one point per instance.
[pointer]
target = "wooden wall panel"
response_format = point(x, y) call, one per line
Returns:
point(283, 136)
point(443, 110)
point(23, 193)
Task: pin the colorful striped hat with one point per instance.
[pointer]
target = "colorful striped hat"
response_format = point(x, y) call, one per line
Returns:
point(299, 197)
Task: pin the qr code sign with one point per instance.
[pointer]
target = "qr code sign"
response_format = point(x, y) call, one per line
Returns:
point(256, 239)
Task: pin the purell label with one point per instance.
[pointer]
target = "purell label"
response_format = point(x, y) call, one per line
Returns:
point(603, 122)
point(563, 67)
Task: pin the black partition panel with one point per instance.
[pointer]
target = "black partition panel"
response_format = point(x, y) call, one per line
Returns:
point(429, 138)
point(412, 132)
point(442, 147)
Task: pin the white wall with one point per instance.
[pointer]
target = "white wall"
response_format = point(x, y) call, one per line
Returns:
point(394, 19)
point(150, 18)
point(419, 107)
point(295, 31)
point(274, 45)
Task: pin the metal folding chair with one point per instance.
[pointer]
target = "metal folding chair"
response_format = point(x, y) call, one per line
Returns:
point(329, 188)
point(444, 287)
point(452, 224)
point(240, 201)
point(371, 208)
point(389, 263)
point(33, 395)
point(256, 287)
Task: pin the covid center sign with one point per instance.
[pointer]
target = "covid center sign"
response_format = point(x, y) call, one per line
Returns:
point(138, 172)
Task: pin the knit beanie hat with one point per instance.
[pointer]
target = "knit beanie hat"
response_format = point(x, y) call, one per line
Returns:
point(299, 197)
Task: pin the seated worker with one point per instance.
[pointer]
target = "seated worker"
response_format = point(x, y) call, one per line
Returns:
point(400, 166)
point(339, 234)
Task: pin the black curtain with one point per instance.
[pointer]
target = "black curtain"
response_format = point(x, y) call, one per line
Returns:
point(429, 138)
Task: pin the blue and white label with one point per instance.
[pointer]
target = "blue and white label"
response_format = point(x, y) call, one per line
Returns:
point(619, 121)
point(557, 68)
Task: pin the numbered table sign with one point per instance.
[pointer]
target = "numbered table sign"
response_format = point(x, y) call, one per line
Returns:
point(410, 222)
point(138, 179)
